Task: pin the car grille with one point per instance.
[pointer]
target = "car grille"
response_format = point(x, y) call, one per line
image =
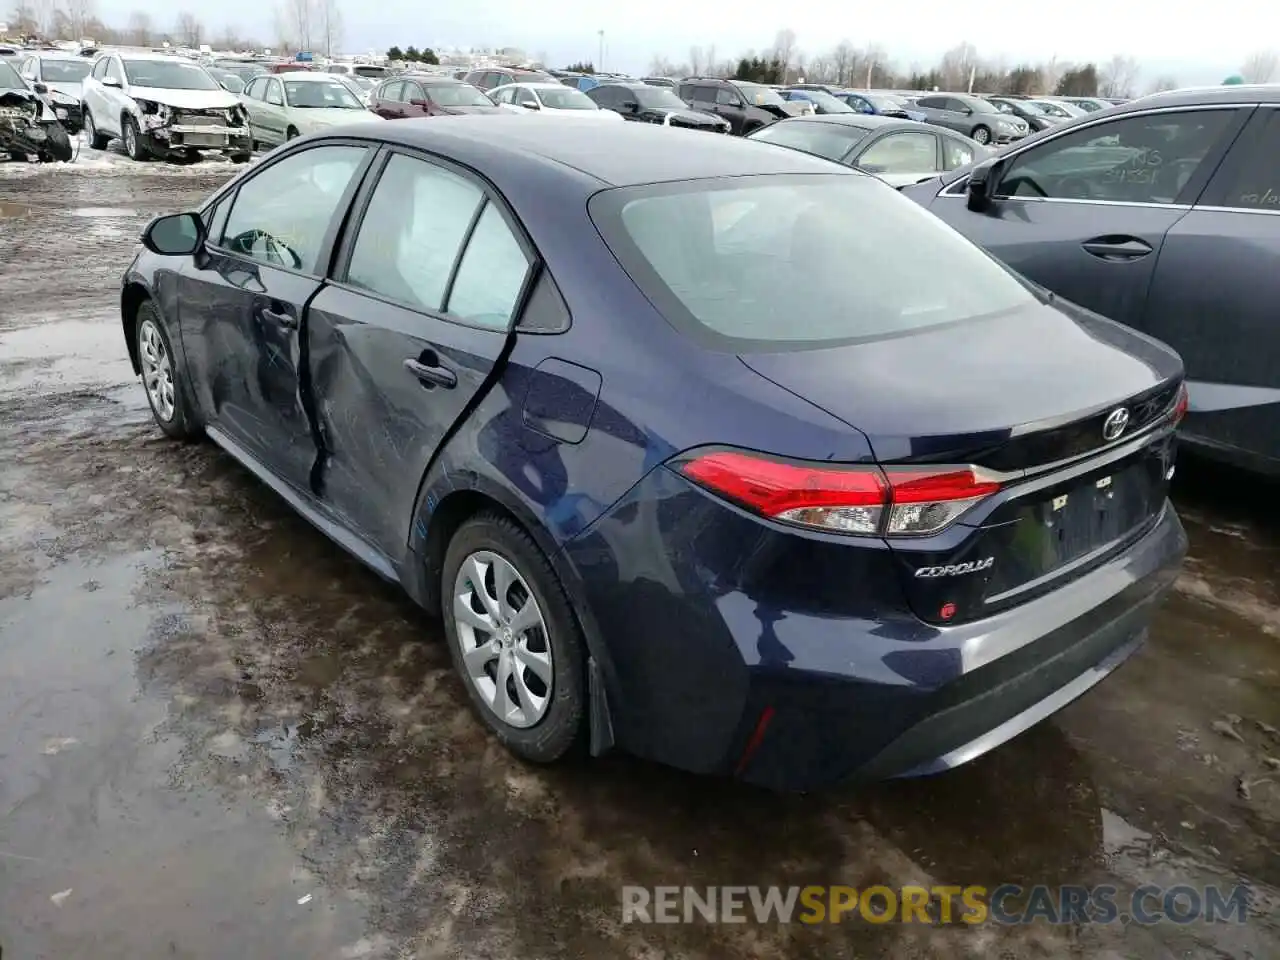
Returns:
point(691, 124)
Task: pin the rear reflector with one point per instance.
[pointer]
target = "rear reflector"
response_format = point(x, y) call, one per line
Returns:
point(1182, 405)
point(856, 499)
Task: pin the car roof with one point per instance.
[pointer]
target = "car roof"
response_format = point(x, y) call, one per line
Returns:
point(1204, 96)
point(536, 85)
point(58, 55)
point(868, 121)
point(147, 55)
point(310, 76)
point(507, 147)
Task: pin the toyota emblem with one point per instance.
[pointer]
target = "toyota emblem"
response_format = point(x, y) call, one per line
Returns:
point(1115, 424)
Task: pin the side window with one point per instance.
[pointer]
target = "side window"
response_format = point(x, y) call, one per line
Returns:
point(275, 93)
point(215, 219)
point(728, 98)
point(491, 275)
point(393, 91)
point(498, 79)
point(955, 153)
point(114, 69)
point(100, 69)
point(1003, 106)
point(901, 153)
point(1248, 178)
point(412, 231)
point(281, 214)
point(608, 97)
point(931, 103)
point(704, 94)
point(1143, 159)
point(412, 92)
point(254, 89)
point(500, 96)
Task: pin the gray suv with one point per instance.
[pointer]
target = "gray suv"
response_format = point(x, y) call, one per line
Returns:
point(976, 118)
point(1164, 214)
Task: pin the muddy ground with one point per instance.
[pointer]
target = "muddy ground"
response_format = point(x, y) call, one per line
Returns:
point(220, 737)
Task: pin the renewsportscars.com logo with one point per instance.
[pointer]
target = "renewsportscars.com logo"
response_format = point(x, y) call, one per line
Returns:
point(1005, 904)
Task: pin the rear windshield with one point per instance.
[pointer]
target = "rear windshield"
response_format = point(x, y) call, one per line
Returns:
point(830, 140)
point(792, 262)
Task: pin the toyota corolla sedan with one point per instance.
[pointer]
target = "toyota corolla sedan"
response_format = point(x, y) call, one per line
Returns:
point(673, 438)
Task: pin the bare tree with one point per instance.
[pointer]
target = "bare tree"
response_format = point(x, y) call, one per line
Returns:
point(188, 29)
point(958, 65)
point(876, 64)
point(330, 24)
point(1118, 77)
point(784, 48)
point(24, 18)
point(139, 32)
point(294, 24)
point(1163, 83)
point(1051, 72)
point(842, 61)
point(1260, 67)
point(79, 12)
point(695, 61)
point(660, 66)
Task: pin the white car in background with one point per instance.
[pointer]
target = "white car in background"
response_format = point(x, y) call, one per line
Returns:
point(287, 105)
point(554, 99)
point(161, 106)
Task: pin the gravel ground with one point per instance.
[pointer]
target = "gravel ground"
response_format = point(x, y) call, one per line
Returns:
point(222, 738)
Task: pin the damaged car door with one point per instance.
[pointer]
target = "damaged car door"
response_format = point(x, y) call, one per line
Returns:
point(411, 329)
point(244, 298)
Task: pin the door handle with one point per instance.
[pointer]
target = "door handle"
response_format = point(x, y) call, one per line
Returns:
point(283, 320)
point(1117, 248)
point(431, 375)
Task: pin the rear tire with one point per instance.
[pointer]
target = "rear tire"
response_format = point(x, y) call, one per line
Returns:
point(290, 134)
point(96, 140)
point(164, 383)
point(526, 646)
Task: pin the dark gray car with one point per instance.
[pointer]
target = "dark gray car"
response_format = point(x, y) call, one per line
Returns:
point(1163, 214)
point(975, 117)
point(897, 151)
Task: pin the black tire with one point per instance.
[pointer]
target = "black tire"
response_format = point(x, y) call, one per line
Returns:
point(180, 424)
point(17, 157)
point(560, 729)
point(58, 145)
point(97, 141)
point(982, 134)
point(241, 158)
point(290, 134)
point(132, 137)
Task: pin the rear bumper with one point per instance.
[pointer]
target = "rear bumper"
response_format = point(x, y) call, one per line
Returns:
point(713, 622)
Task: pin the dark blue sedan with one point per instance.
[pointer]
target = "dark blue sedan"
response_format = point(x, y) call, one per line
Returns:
point(722, 454)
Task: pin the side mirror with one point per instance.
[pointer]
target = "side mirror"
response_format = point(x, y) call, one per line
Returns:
point(175, 235)
point(40, 88)
point(982, 184)
point(967, 111)
point(630, 106)
point(110, 82)
point(419, 102)
point(531, 104)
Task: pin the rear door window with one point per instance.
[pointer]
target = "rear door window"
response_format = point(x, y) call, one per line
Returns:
point(1143, 159)
point(1249, 178)
point(393, 91)
point(491, 275)
point(411, 233)
point(786, 262)
point(901, 153)
point(704, 94)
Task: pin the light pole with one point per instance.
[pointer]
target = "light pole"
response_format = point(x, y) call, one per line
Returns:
point(600, 58)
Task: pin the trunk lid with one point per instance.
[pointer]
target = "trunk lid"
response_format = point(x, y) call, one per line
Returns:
point(1016, 394)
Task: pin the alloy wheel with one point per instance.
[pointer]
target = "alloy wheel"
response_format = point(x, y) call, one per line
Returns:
point(157, 370)
point(506, 650)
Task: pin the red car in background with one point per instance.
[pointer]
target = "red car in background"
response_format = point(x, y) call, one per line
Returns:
point(427, 95)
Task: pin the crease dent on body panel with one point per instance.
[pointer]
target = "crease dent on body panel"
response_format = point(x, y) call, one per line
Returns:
point(307, 394)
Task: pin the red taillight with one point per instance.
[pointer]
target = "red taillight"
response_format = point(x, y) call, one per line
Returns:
point(1182, 405)
point(890, 501)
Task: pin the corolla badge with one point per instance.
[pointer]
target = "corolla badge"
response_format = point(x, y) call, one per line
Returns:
point(1116, 423)
point(956, 569)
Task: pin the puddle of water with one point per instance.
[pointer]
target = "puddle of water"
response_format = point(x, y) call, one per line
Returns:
point(97, 212)
point(10, 210)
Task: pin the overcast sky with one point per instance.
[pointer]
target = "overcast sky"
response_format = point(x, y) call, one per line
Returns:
point(1189, 41)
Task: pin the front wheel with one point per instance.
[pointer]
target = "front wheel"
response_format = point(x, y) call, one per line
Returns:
point(981, 134)
point(57, 145)
point(96, 140)
point(513, 638)
point(133, 145)
point(161, 378)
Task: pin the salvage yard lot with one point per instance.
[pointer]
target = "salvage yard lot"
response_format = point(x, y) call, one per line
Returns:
point(222, 737)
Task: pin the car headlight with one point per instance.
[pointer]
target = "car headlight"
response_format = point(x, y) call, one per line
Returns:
point(152, 109)
point(62, 99)
point(236, 116)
